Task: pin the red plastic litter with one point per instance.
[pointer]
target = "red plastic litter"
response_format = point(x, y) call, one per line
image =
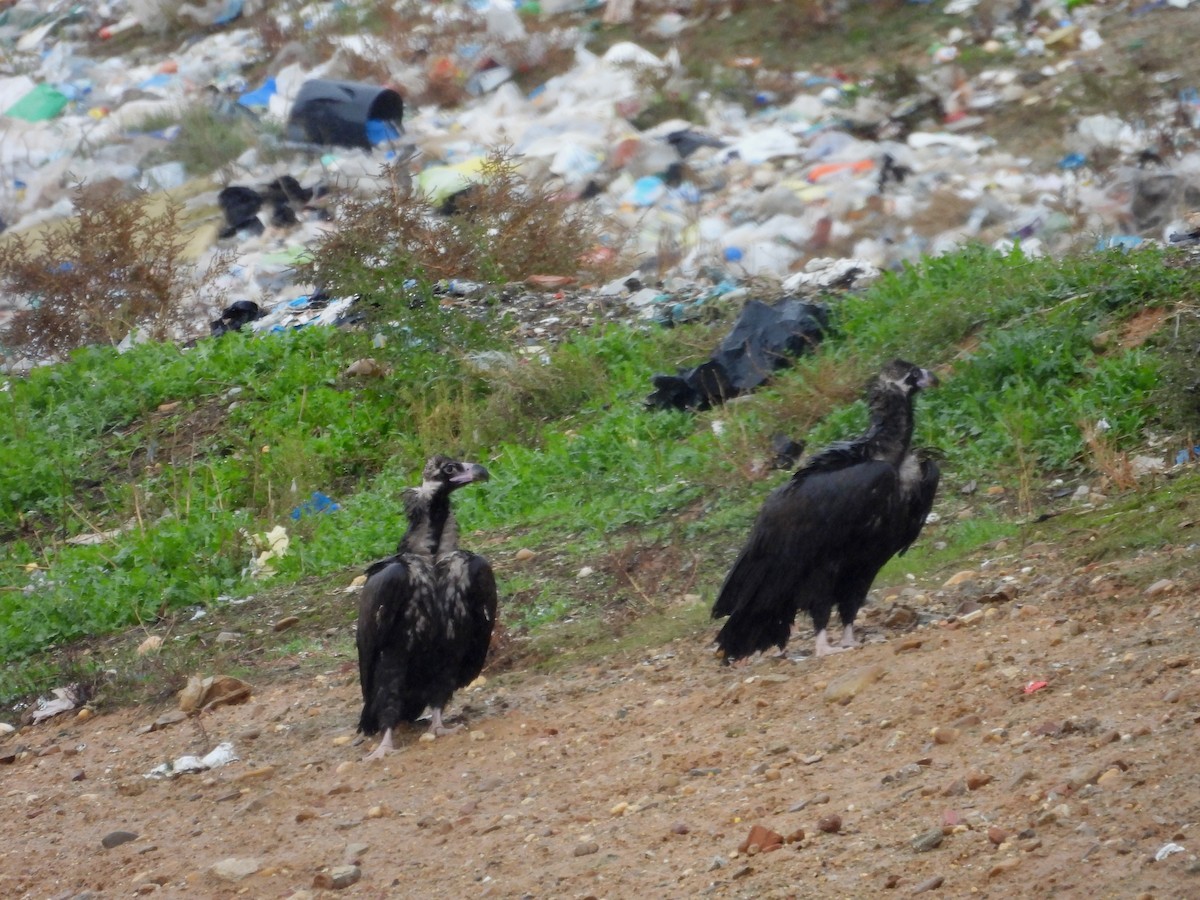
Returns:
point(1035, 686)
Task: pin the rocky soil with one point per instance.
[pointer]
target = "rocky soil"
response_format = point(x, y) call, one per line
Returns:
point(1024, 728)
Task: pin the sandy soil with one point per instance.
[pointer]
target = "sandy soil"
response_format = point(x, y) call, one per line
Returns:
point(643, 776)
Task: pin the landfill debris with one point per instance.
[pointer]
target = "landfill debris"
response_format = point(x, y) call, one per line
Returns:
point(202, 694)
point(345, 114)
point(65, 699)
point(764, 338)
point(817, 180)
point(316, 504)
point(1167, 850)
point(1035, 686)
point(272, 545)
point(219, 756)
point(234, 316)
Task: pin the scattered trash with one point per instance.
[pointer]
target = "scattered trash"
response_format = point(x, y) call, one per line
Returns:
point(1035, 686)
point(65, 699)
point(365, 368)
point(40, 104)
point(203, 694)
point(318, 503)
point(272, 545)
point(237, 314)
point(345, 114)
point(221, 755)
point(764, 338)
point(1187, 454)
point(1167, 850)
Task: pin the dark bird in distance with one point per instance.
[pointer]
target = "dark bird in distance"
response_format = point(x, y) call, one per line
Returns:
point(426, 613)
point(822, 537)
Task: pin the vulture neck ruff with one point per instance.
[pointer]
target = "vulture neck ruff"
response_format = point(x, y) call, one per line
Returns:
point(432, 528)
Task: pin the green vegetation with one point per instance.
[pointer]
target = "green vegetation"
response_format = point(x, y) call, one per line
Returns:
point(179, 456)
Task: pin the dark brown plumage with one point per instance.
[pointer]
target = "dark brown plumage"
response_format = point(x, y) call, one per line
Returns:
point(822, 537)
point(426, 614)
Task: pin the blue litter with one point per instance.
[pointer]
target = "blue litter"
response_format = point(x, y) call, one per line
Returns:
point(260, 96)
point(380, 130)
point(160, 80)
point(233, 9)
point(319, 503)
point(733, 254)
point(1072, 161)
point(1120, 242)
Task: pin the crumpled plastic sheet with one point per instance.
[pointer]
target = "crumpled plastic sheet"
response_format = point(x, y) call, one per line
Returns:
point(765, 338)
point(221, 755)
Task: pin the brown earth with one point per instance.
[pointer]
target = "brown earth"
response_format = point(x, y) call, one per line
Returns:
point(642, 774)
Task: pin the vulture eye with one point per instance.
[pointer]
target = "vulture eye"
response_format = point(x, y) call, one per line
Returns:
point(449, 468)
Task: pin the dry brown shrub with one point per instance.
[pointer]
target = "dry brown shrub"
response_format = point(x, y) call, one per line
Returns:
point(505, 228)
point(113, 268)
point(1113, 464)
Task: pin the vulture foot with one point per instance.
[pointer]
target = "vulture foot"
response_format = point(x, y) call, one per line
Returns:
point(437, 729)
point(848, 640)
point(824, 648)
point(385, 747)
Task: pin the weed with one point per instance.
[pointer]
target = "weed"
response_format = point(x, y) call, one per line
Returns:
point(393, 247)
point(113, 269)
point(211, 135)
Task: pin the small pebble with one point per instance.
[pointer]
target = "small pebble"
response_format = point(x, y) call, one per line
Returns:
point(830, 824)
point(929, 884)
point(927, 840)
point(337, 878)
point(117, 838)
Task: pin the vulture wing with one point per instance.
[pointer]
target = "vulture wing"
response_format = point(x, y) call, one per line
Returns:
point(813, 528)
point(390, 600)
point(920, 502)
point(479, 596)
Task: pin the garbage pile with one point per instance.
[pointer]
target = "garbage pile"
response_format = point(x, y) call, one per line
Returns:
point(816, 176)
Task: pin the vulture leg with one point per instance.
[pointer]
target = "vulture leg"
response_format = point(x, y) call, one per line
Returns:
point(385, 747)
point(824, 648)
point(436, 728)
point(848, 641)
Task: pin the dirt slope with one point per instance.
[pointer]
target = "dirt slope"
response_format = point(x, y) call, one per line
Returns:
point(640, 777)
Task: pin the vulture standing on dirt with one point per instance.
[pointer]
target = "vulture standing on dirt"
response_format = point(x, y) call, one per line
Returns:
point(821, 538)
point(426, 614)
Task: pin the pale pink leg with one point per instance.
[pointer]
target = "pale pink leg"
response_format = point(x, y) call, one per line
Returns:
point(848, 640)
point(385, 747)
point(436, 727)
point(824, 648)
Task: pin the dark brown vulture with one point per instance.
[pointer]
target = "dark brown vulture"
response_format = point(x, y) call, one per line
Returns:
point(426, 614)
point(822, 537)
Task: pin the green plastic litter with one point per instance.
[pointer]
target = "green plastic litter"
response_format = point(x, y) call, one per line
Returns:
point(42, 103)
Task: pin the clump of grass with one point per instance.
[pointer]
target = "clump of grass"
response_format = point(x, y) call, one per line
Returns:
point(112, 269)
point(211, 135)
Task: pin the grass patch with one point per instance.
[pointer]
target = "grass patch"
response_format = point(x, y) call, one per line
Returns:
point(223, 441)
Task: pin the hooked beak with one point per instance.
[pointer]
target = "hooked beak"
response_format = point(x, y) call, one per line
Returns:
point(472, 472)
point(927, 380)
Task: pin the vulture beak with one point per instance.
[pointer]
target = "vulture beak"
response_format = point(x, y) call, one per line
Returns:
point(927, 380)
point(471, 472)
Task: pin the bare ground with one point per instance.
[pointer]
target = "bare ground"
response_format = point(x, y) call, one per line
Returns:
point(640, 776)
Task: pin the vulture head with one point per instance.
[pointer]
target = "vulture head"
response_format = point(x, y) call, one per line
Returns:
point(443, 474)
point(905, 378)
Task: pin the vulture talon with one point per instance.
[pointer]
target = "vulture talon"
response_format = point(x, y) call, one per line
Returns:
point(822, 537)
